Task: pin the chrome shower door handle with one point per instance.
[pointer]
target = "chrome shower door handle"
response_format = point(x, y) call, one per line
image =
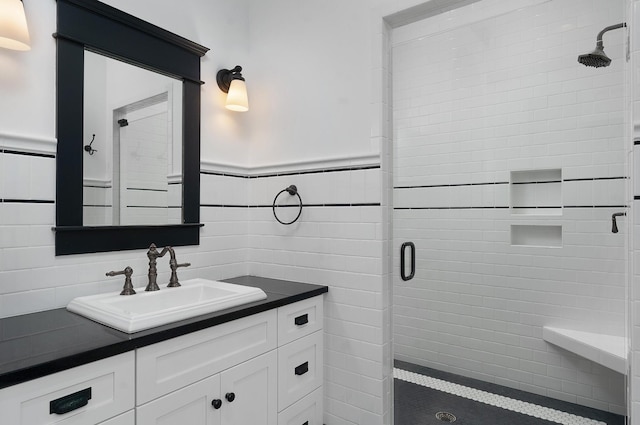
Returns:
point(403, 248)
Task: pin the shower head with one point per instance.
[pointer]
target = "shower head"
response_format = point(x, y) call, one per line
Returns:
point(598, 58)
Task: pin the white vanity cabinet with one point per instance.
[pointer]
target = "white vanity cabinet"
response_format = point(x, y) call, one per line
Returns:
point(261, 369)
point(246, 371)
point(238, 362)
point(250, 386)
point(300, 362)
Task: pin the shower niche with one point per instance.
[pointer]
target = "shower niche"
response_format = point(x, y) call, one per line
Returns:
point(536, 197)
point(536, 192)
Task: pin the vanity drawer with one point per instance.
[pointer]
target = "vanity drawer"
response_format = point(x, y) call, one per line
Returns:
point(299, 319)
point(178, 362)
point(86, 394)
point(307, 411)
point(299, 369)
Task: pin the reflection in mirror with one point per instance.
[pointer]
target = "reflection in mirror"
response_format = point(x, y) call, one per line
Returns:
point(133, 116)
point(90, 25)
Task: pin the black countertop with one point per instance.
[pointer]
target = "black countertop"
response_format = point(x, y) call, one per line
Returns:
point(38, 344)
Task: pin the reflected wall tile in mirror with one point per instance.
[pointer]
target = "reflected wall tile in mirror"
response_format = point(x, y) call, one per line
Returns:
point(134, 177)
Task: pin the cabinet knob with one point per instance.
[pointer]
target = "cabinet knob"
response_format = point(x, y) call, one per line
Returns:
point(230, 397)
point(216, 403)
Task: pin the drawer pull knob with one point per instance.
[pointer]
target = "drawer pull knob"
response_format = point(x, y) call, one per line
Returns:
point(230, 397)
point(216, 403)
point(70, 402)
point(302, 320)
point(302, 369)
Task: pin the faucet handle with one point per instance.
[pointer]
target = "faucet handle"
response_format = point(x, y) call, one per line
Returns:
point(128, 286)
point(173, 280)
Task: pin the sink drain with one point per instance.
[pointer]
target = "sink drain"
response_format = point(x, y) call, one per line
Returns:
point(445, 417)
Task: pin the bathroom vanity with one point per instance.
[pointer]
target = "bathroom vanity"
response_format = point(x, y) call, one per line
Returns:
point(260, 363)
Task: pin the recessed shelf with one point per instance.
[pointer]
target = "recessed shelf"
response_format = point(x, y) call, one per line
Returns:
point(536, 192)
point(549, 236)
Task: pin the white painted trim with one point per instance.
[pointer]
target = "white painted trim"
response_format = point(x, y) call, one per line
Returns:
point(174, 178)
point(218, 167)
point(26, 143)
point(288, 167)
point(106, 183)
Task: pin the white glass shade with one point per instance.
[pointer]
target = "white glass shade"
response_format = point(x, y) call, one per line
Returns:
point(14, 33)
point(237, 97)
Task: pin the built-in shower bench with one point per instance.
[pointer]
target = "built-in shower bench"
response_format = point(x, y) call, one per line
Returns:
point(608, 350)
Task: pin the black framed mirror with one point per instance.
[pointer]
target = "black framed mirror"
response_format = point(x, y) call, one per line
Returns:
point(89, 25)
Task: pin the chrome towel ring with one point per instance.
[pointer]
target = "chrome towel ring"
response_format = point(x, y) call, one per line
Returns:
point(293, 191)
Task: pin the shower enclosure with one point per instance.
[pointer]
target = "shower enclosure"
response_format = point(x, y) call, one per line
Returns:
point(509, 164)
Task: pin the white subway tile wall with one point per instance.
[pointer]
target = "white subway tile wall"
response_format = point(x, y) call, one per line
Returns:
point(337, 241)
point(33, 279)
point(479, 101)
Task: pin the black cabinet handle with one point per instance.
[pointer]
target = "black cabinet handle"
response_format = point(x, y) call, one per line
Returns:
point(302, 320)
point(306, 423)
point(413, 261)
point(216, 403)
point(230, 397)
point(70, 402)
point(302, 369)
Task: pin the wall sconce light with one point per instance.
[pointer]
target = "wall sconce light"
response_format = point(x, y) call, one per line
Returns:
point(14, 33)
point(231, 82)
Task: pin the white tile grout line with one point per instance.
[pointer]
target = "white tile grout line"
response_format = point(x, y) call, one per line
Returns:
point(496, 400)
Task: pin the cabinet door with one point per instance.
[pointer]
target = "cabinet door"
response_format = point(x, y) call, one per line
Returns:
point(191, 405)
point(252, 386)
point(178, 362)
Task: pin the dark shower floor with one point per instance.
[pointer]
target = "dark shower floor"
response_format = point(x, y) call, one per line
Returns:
point(417, 404)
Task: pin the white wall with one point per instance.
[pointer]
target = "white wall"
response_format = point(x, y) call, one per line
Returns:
point(311, 85)
point(313, 107)
point(31, 277)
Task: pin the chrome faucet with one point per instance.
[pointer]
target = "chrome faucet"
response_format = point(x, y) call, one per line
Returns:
point(153, 255)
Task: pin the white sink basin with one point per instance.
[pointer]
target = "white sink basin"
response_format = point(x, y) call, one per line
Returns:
point(144, 310)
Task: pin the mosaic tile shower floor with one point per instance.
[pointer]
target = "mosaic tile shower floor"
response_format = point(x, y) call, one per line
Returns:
point(421, 393)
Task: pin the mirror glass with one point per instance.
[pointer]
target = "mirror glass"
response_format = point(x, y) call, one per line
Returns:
point(132, 161)
point(137, 181)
